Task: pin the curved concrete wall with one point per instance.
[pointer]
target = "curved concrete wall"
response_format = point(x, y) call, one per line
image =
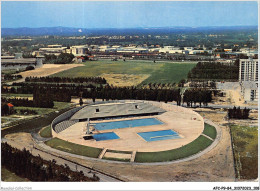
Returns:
point(62, 117)
point(67, 115)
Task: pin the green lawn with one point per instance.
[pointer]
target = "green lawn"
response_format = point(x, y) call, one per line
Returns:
point(116, 159)
point(11, 71)
point(160, 72)
point(170, 73)
point(46, 132)
point(17, 95)
point(41, 111)
point(73, 148)
point(245, 141)
point(115, 151)
point(8, 176)
point(210, 131)
point(192, 148)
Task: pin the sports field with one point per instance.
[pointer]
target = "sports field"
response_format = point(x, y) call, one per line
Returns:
point(139, 71)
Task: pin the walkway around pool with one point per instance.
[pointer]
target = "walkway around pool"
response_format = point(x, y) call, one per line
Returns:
point(197, 155)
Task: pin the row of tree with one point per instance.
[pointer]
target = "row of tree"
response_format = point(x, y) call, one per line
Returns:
point(45, 95)
point(8, 77)
point(158, 85)
point(51, 94)
point(213, 70)
point(118, 93)
point(42, 99)
point(237, 113)
point(196, 95)
point(63, 58)
point(96, 80)
point(34, 168)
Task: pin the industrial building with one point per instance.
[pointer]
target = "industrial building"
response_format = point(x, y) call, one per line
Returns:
point(16, 63)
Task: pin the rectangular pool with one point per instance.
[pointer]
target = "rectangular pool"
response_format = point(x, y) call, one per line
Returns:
point(127, 123)
point(105, 136)
point(159, 135)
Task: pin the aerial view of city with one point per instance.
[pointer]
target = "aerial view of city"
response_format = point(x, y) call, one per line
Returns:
point(129, 91)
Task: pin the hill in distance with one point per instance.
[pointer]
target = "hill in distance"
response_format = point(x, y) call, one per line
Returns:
point(68, 31)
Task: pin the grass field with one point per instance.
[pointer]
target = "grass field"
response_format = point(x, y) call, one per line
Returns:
point(46, 132)
point(17, 95)
point(114, 151)
point(159, 72)
point(11, 71)
point(8, 176)
point(74, 148)
point(245, 141)
point(210, 131)
point(41, 111)
point(192, 148)
point(116, 159)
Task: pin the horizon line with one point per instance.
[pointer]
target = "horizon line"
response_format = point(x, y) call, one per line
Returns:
point(129, 27)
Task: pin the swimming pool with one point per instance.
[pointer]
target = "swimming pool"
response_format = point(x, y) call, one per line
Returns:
point(159, 135)
point(127, 124)
point(105, 136)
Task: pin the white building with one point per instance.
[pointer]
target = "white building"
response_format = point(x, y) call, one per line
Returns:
point(54, 46)
point(170, 50)
point(55, 51)
point(79, 50)
point(249, 91)
point(248, 78)
point(188, 48)
point(248, 70)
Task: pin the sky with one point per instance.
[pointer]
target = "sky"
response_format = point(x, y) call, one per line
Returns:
point(128, 14)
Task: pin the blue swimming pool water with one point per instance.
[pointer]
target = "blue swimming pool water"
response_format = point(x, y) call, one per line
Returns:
point(127, 124)
point(105, 136)
point(159, 135)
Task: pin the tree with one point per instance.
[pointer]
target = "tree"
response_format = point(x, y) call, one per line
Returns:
point(80, 101)
point(29, 68)
point(4, 109)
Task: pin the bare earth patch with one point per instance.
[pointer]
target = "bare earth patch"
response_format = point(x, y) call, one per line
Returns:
point(117, 155)
point(124, 79)
point(47, 69)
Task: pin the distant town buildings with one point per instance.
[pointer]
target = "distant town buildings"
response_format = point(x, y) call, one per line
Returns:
point(51, 50)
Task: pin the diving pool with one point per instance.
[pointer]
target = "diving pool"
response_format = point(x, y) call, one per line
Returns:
point(127, 124)
point(159, 135)
point(105, 136)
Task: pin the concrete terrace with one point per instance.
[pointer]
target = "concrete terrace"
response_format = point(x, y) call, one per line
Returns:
point(116, 109)
point(188, 124)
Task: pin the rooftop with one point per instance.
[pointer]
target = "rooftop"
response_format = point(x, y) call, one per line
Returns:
point(18, 61)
